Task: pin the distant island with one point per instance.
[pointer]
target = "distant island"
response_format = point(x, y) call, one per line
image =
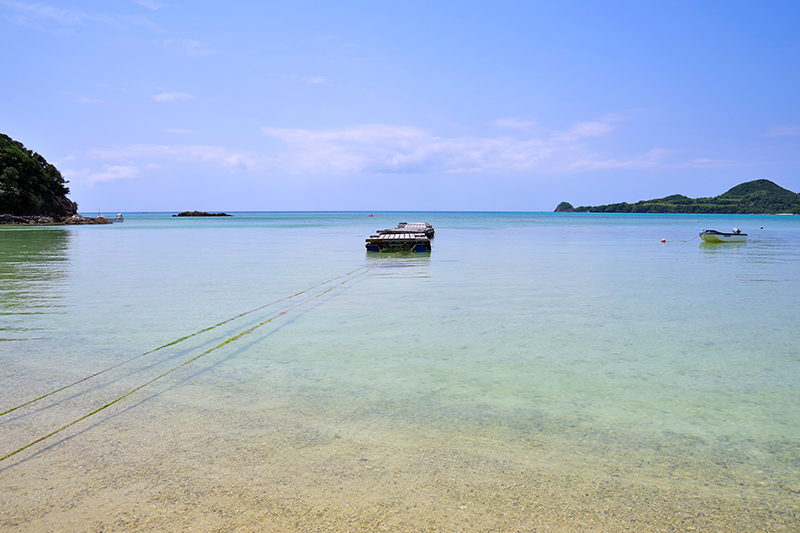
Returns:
point(201, 214)
point(750, 198)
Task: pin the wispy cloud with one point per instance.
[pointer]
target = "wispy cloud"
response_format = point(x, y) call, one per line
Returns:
point(386, 149)
point(145, 22)
point(171, 97)
point(108, 174)
point(652, 158)
point(515, 123)
point(31, 15)
point(783, 131)
point(187, 47)
point(232, 159)
point(81, 99)
point(583, 130)
point(308, 80)
point(149, 4)
point(383, 149)
point(712, 163)
point(64, 21)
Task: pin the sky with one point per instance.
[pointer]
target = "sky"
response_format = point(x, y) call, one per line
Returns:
point(149, 105)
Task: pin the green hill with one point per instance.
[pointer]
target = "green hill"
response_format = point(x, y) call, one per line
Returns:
point(29, 185)
point(752, 197)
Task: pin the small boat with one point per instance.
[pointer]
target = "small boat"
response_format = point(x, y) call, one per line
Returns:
point(712, 235)
point(119, 218)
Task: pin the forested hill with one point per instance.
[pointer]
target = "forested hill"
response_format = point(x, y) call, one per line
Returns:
point(29, 185)
point(752, 197)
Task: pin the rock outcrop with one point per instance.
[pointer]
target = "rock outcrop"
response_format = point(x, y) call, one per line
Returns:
point(201, 214)
point(78, 219)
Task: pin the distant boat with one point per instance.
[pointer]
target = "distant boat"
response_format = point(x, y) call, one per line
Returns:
point(119, 218)
point(712, 235)
point(370, 215)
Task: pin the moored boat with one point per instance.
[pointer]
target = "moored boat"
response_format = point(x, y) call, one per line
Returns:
point(712, 235)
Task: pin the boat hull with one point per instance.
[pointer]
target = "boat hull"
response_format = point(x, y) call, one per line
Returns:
point(724, 237)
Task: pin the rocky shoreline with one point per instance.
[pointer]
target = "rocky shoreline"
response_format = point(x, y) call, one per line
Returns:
point(38, 220)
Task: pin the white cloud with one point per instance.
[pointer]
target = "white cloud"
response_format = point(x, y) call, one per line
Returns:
point(81, 99)
point(171, 97)
point(582, 130)
point(149, 4)
point(712, 163)
point(652, 158)
point(308, 80)
point(144, 22)
point(29, 15)
point(186, 153)
point(187, 47)
point(515, 123)
point(383, 149)
point(41, 16)
point(783, 131)
point(386, 149)
point(110, 173)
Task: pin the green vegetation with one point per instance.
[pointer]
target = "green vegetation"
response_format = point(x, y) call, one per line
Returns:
point(752, 197)
point(29, 185)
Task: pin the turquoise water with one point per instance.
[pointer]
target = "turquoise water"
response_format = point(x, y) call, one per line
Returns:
point(530, 335)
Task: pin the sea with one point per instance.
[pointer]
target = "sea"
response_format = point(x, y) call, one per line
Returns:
point(533, 372)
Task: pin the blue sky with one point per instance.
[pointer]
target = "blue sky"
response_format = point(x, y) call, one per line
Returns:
point(147, 105)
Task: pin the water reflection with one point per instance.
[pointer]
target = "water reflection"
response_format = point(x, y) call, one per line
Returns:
point(33, 267)
point(722, 247)
point(402, 265)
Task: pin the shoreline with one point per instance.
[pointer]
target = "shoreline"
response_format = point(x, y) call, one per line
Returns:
point(269, 470)
point(39, 220)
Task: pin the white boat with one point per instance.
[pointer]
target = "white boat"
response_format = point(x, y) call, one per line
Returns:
point(712, 235)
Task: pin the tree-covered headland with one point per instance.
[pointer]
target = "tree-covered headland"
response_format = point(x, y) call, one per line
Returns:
point(752, 197)
point(29, 185)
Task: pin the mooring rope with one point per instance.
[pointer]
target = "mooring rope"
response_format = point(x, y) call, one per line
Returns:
point(690, 240)
point(173, 343)
point(195, 358)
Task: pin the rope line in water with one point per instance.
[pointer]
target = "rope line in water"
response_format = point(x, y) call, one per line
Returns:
point(195, 358)
point(173, 343)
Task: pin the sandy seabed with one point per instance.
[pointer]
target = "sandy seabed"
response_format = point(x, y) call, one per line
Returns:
point(190, 468)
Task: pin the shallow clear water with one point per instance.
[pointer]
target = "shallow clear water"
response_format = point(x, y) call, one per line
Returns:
point(527, 334)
